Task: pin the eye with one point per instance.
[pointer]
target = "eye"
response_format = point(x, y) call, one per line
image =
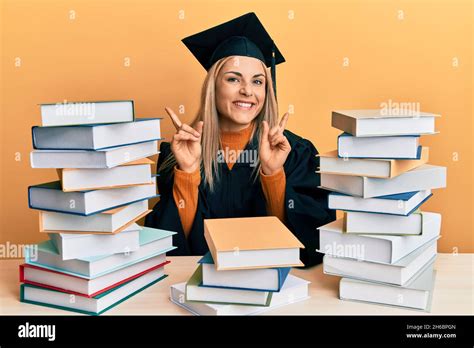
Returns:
point(258, 82)
point(232, 79)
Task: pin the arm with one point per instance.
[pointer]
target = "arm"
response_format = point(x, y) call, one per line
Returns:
point(274, 191)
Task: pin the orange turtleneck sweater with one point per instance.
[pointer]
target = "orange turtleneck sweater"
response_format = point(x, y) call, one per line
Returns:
point(185, 188)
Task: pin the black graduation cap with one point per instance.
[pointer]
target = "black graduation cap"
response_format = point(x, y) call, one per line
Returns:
point(241, 36)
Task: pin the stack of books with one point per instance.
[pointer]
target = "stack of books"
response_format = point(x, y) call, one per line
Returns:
point(246, 270)
point(96, 256)
point(384, 247)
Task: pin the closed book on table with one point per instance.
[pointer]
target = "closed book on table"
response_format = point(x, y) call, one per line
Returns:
point(398, 273)
point(372, 247)
point(87, 112)
point(379, 122)
point(247, 243)
point(394, 147)
point(128, 174)
point(294, 290)
point(96, 137)
point(73, 246)
point(108, 222)
point(374, 223)
point(89, 305)
point(402, 204)
point(263, 279)
point(330, 163)
point(424, 177)
point(107, 158)
point(55, 280)
point(417, 294)
point(50, 197)
point(153, 242)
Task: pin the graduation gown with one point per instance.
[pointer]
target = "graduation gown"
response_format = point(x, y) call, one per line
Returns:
point(236, 194)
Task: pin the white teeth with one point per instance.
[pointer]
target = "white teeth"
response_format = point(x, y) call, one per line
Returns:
point(243, 105)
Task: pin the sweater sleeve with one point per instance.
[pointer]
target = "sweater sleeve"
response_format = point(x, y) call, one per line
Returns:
point(185, 195)
point(274, 190)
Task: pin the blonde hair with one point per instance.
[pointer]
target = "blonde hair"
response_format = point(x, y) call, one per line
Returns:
point(210, 140)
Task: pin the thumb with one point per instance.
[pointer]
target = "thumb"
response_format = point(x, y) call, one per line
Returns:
point(199, 127)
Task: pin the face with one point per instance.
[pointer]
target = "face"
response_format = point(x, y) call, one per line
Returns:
point(240, 92)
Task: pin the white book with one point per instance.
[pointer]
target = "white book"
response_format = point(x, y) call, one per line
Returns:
point(378, 122)
point(399, 204)
point(74, 246)
point(96, 137)
point(417, 294)
point(398, 273)
point(424, 177)
point(394, 147)
point(153, 242)
point(86, 112)
point(50, 197)
point(128, 174)
point(331, 163)
point(89, 287)
point(110, 221)
point(89, 305)
point(107, 158)
point(294, 290)
point(376, 248)
point(374, 223)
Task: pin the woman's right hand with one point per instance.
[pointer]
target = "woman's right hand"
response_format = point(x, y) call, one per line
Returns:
point(186, 144)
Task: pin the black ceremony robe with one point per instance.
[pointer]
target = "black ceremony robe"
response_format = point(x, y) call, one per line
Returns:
point(237, 195)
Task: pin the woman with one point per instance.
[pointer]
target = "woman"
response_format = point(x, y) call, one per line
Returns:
point(236, 159)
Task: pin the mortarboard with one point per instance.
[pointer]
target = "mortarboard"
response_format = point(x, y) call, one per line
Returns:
point(241, 36)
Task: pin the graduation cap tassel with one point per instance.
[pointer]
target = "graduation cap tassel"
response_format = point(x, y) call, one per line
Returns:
point(273, 70)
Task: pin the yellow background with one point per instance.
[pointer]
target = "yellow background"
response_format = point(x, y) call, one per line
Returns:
point(405, 51)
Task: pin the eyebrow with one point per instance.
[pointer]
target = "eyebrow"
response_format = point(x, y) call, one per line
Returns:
point(239, 74)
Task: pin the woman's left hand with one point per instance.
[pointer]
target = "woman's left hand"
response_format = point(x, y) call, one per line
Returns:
point(274, 147)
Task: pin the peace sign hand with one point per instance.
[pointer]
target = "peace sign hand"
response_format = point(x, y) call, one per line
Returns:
point(186, 143)
point(274, 147)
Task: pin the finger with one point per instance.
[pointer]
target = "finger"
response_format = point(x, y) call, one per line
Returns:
point(277, 140)
point(185, 137)
point(265, 130)
point(199, 127)
point(275, 130)
point(175, 119)
point(183, 132)
point(284, 120)
point(190, 130)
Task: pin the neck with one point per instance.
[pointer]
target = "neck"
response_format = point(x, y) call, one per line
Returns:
point(232, 126)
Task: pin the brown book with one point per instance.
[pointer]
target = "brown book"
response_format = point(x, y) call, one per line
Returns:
point(250, 243)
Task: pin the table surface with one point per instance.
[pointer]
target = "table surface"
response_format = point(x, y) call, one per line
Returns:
point(453, 292)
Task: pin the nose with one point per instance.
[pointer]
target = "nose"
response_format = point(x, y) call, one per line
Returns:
point(246, 90)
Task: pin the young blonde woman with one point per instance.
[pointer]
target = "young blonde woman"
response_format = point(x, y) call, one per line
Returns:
point(236, 159)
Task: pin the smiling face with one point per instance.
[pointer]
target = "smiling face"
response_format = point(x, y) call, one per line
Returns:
point(240, 92)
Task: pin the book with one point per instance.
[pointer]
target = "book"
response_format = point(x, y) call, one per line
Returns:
point(50, 197)
point(63, 282)
point(197, 293)
point(294, 290)
point(424, 177)
point(398, 273)
point(394, 147)
point(128, 174)
point(263, 279)
point(107, 158)
point(73, 246)
point(330, 163)
point(399, 204)
point(374, 223)
point(375, 248)
point(417, 294)
point(248, 243)
point(86, 112)
point(89, 305)
point(153, 242)
point(96, 136)
point(108, 222)
point(376, 122)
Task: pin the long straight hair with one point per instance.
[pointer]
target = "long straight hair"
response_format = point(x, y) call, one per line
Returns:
point(210, 140)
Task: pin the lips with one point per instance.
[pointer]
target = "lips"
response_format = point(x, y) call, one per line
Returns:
point(243, 105)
